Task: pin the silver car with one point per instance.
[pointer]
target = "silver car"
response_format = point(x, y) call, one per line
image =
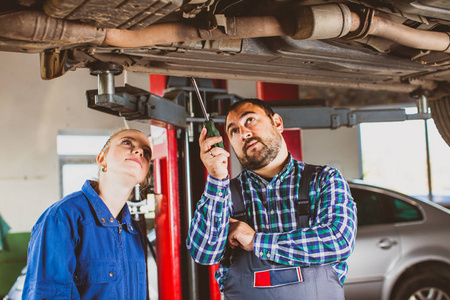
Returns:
point(402, 249)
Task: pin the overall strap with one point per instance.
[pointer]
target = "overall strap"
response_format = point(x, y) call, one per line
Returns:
point(240, 213)
point(303, 202)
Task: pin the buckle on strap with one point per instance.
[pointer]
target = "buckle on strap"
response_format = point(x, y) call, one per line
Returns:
point(241, 216)
point(277, 277)
point(303, 207)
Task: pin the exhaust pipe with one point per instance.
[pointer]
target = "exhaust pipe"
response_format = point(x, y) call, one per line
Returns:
point(321, 22)
point(38, 27)
point(233, 28)
point(336, 21)
point(407, 36)
point(307, 22)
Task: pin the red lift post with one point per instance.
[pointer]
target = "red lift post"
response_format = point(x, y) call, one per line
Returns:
point(167, 218)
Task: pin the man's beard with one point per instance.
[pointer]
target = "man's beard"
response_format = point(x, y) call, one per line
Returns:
point(270, 149)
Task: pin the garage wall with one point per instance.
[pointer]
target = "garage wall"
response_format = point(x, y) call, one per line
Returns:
point(338, 148)
point(34, 111)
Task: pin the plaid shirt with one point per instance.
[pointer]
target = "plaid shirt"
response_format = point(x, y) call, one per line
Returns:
point(271, 207)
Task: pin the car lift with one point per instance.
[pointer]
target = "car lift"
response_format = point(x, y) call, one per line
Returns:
point(137, 104)
point(179, 112)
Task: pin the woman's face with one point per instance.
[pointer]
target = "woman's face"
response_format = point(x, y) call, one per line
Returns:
point(128, 155)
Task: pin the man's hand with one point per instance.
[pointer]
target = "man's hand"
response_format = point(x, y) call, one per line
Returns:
point(215, 159)
point(240, 234)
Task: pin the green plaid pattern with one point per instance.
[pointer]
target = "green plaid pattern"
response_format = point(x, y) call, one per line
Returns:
point(272, 212)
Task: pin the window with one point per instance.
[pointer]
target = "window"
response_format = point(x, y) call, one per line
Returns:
point(405, 212)
point(77, 159)
point(369, 207)
point(394, 157)
point(377, 208)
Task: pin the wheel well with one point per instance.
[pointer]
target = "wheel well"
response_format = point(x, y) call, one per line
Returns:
point(435, 267)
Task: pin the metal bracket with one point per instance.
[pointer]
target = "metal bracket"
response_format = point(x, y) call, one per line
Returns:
point(134, 103)
point(326, 117)
point(366, 15)
point(332, 118)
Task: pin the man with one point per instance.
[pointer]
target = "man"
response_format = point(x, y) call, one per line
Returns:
point(279, 257)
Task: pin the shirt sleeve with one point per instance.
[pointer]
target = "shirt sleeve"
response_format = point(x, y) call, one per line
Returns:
point(209, 227)
point(51, 262)
point(331, 236)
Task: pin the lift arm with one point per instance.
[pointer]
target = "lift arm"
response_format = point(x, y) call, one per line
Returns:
point(133, 103)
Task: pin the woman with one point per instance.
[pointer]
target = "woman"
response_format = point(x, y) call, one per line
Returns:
point(87, 245)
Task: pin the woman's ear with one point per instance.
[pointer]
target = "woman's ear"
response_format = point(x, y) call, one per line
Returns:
point(278, 121)
point(100, 158)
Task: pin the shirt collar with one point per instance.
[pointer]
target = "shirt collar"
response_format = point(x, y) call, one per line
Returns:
point(284, 173)
point(102, 213)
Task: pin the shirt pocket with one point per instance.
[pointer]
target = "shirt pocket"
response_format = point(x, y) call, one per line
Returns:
point(95, 272)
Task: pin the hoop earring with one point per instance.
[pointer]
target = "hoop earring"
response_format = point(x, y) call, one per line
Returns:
point(104, 169)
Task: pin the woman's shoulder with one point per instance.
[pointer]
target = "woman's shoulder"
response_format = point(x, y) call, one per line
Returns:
point(68, 208)
point(69, 202)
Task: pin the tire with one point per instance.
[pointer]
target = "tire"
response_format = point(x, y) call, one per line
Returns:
point(426, 286)
point(440, 112)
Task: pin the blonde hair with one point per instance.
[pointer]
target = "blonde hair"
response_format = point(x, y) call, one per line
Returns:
point(145, 184)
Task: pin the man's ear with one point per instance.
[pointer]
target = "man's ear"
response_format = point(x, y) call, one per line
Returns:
point(278, 121)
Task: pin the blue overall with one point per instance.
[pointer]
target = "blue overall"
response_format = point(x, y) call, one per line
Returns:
point(249, 277)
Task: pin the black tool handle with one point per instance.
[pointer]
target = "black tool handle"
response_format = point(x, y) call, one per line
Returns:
point(212, 131)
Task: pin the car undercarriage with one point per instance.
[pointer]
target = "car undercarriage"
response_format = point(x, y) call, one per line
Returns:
point(382, 49)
